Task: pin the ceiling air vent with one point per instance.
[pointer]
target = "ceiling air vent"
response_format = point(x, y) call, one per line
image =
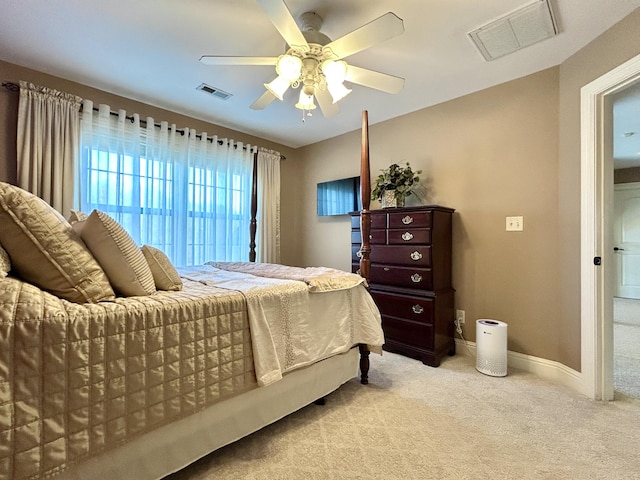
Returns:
point(216, 92)
point(523, 27)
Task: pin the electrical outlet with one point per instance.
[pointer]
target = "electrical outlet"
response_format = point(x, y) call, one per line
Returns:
point(459, 321)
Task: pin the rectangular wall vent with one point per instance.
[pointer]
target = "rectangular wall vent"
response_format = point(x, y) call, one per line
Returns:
point(523, 27)
point(216, 92)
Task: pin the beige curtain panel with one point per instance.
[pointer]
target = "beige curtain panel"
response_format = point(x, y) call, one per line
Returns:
point(48, 143)
point(268, 216)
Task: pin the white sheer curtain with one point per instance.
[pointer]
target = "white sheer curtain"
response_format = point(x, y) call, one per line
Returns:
point(268, 216)
point(177, 190)
point(47, 144)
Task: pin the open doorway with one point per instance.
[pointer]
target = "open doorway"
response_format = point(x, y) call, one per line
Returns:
point(626, 241)
point(597, 255)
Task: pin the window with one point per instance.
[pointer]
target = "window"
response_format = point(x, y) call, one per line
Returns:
point(187, 195)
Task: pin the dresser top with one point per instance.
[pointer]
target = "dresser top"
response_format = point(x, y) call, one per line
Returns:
point(419, 208)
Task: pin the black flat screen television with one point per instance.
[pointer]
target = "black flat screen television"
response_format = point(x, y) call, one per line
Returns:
point(339, 197)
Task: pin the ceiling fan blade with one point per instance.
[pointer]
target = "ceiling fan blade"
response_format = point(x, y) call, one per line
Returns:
point(263, 100)
point(372, 79)
point(218, 60)
point(377, 31)
point(325, 102)
point(284, 22)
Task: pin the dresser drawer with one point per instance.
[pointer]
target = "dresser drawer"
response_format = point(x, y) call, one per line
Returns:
point(418, 255)
point(410, 236)
point(408, 332)
point(379, 221)
point(378, 237)
point(412, 219)
point(417, 309)
point(408, 277)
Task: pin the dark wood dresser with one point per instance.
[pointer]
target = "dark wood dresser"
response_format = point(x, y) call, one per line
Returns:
point(410, 278)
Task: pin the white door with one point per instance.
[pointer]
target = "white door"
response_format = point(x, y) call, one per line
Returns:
point(626, 237)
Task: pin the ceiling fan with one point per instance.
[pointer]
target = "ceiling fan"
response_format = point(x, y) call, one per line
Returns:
point(314, 62)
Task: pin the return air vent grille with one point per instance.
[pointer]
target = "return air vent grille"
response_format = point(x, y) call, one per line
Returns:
point(216, 92)
point(523, 27)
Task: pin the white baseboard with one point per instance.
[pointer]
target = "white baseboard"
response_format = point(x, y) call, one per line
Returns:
point(547, 369)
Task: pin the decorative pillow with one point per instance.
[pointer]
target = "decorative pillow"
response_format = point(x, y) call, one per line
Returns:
point(45, 251)
point(119, 256)
point(164, 273)
point(76, 216)
point(5, 262)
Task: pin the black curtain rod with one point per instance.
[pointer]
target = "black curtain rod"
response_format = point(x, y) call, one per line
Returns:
point(143, 122)
point(14, 87)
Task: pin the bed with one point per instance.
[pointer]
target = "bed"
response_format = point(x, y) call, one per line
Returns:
point(114, 364)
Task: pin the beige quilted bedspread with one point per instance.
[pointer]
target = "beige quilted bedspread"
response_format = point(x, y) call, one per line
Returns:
point(77, 379)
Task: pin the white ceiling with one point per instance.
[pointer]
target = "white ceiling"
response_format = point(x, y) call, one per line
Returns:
point(149, 50)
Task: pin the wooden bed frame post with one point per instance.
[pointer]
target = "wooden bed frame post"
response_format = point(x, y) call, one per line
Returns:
point(365, 229)
point(365, 193)
point(253, 226)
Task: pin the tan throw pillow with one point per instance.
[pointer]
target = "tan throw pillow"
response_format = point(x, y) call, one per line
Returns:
point(45, 251)
point(5, 263)
point(118, 254)
point(164, 273)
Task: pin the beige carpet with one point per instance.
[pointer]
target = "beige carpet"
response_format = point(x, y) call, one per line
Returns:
point(451, 422)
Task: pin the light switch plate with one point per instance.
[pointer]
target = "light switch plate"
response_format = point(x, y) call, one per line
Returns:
point(515, 224)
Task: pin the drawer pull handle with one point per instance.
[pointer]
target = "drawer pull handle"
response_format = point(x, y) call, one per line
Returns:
point(407, 220)
point(386, 269)
point(406, 236)
point(416, 255)
point(417, 309)
point(359, 254)
point(416, 278)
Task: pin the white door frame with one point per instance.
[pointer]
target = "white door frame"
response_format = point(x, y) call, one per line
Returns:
point(596, 187)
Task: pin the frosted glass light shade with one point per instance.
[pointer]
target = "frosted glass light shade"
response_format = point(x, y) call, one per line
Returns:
point(338, 91)
point(278, 86)
point(334, 71)
point(289, 67)
point(305, 102)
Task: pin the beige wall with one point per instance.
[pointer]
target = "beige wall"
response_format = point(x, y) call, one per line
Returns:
point(488, 155)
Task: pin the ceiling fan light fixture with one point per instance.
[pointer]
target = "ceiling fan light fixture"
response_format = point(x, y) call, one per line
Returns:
point(278, 86)
point(334, 71)
point(338, 91)
point(289, 67)
point(305, 101)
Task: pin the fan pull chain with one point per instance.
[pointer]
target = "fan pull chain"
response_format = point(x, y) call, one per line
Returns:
point(308, 114)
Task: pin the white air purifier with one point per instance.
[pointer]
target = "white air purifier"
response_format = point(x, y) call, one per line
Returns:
point(491, 347)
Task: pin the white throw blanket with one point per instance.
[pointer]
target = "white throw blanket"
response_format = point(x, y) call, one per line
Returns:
point(319, 279)
point(290, 326)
